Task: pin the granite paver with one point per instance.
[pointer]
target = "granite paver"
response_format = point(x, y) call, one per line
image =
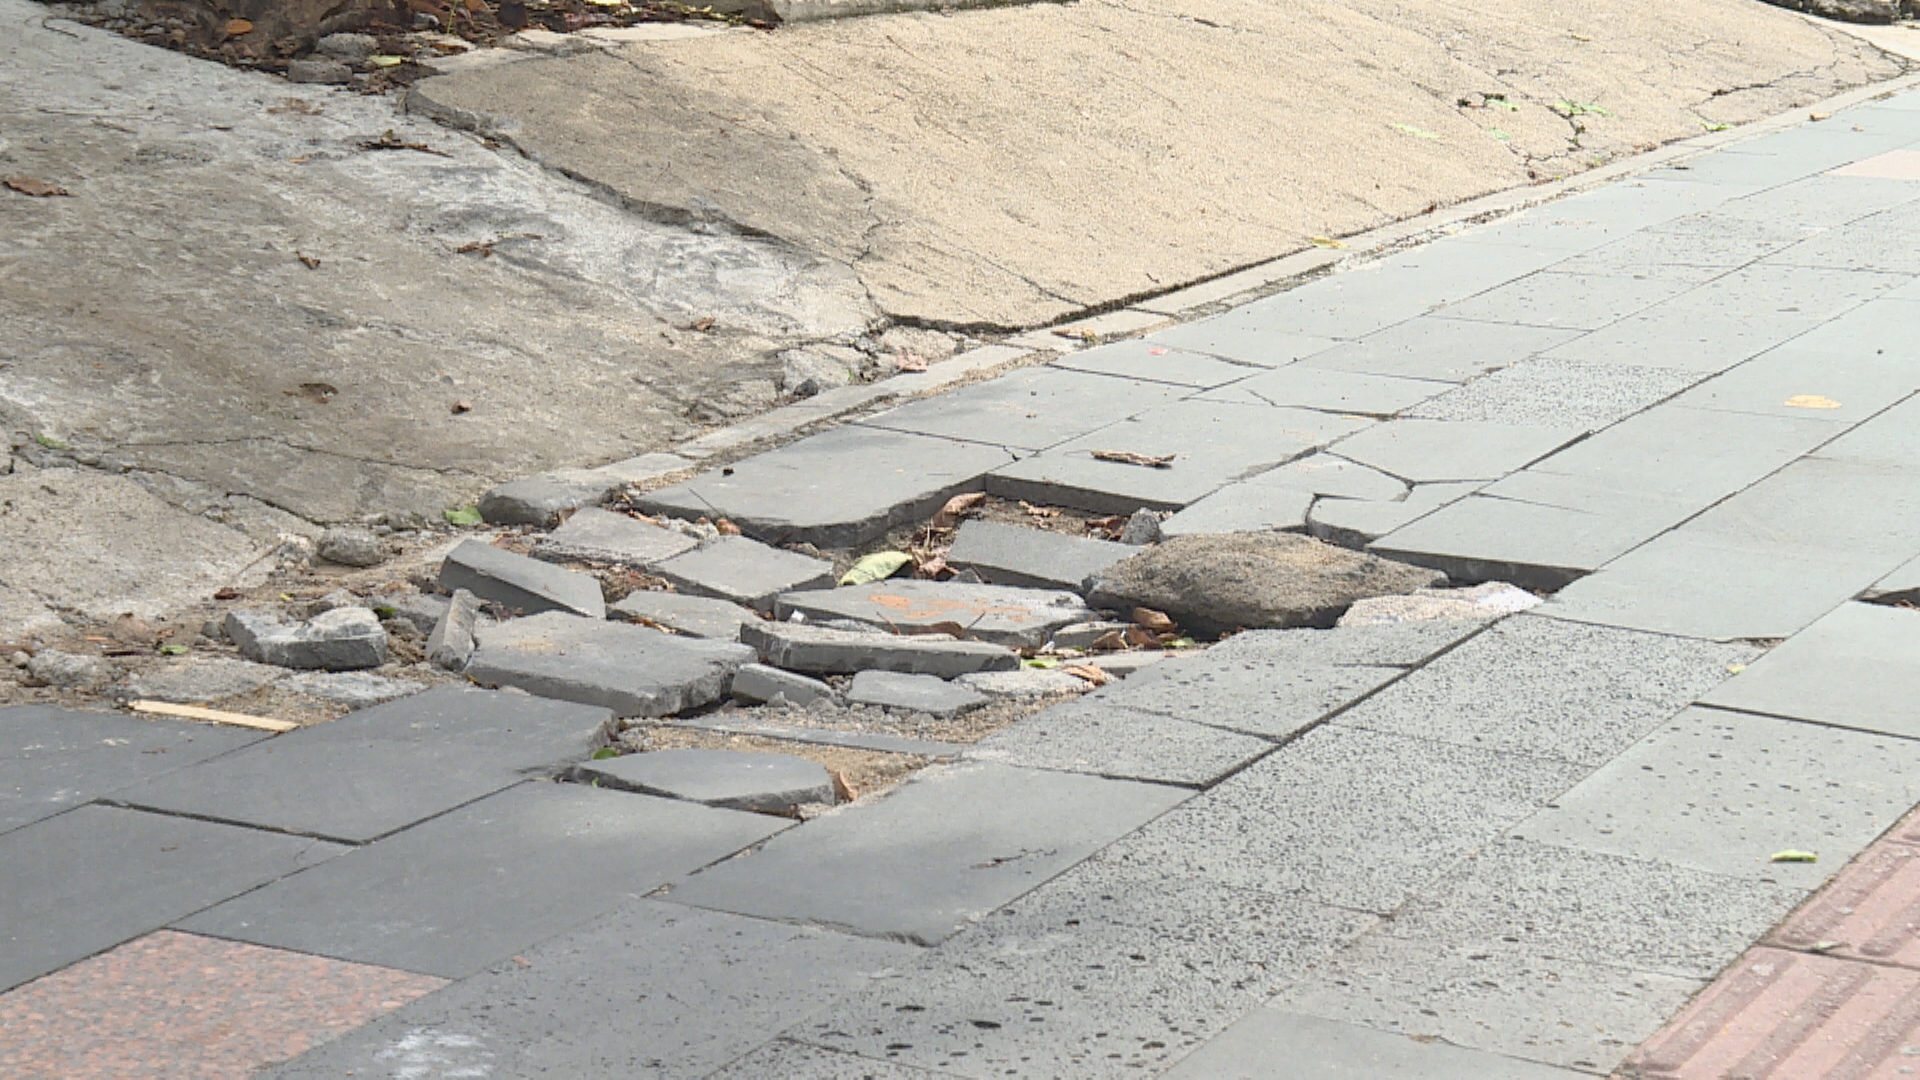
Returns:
point(1242, 507)
point(1002, 614)
point(1274, 697)
point(1106, 739)
point(1858, 667)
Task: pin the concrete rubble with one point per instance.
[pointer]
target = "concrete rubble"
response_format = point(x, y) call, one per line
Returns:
point(914, 693)
point(344, 639)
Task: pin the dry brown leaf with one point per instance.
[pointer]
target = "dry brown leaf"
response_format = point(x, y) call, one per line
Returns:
point(1038, 511)
point(1141, 638)
point(843, 789)
point(1089, 672)
point(949, 515)
point(930, 565)
point(1128, 457)
point(307, 261)
point(39, 189)
point(726, 528)
point(236, 27)
point(1156, 621)
point(1811, 401)
point(1111, 641)
point(462, 406)
point(703, 324)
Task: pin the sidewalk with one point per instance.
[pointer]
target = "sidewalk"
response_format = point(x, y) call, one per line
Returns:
point(1684, 403)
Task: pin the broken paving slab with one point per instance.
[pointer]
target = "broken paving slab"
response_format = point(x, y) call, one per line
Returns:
point(1339, 391)
point(451, 643)
point(913, 693)
point(198, 680)
point(542, 498)
point(1106, 739)
point(1355, 523)
point(1490, 600)
point(806, 492)
point(1481, 538)
point(354, 689)
point(596, 535)
point(1024, 684)
point(1326, 475)
point(729, 779)
point(1242, 507)
point(518, 583)
point(820, 651)
point(756, 684)
point(633, 670)
point(694, 616)
point(1153, 362)
point(344, 639)
point(1035, 558)
point(1434, 451)
point(1028, 410)
point(743, 724)
point(746, 572)
point(1000, 614)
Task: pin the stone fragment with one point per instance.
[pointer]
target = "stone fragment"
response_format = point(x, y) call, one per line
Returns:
point(347, 47)
point(913, 693)
point(68, 671)
point(1247, 506)
point(344, 639)
point(819, 651)
point(423, 610)
point(354, 689)
point(199, 681)
point(745, 571)
point(1236, 581)
point(352, 547)
point(756, 684)
point(1036, 558)
point(997, 613)
point(1142, 528)
point(319, 70)
point(632, 670)
point(518, 583)
point(1024, 683)
point(596, 535)
point(1355, 523)
point(695, 616)
point(451, 643)
point(806, 372)
point(731, 779)
point(1488, 601)
point(338, 598)
point(1083, 635)
point(538, 500)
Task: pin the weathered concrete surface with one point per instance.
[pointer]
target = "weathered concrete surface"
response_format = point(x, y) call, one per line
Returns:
point(1088, 152)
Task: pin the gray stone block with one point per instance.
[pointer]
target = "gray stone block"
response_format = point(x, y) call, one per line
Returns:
point(1035, 558)
point(1551, 391)
point(351, 547)
point(819, 651)
point(354, 689)
point(1331, 390)
point(804, 491)
point(913, 693)
point(452, 641)
point(85, 881)
point(1276, 696)
point(1105, 739)
point(758, 683)
point(1030, 409)
point(343, 639)
point(950, 845)
point(1432, 451)
point(596, 535)
point(1856, 384)
point(1331, 1050)
point(739, 724)
point(423, 610)
point(518, 583)
point(1444, 350)
point(472, 887)
point(730, 779)
point(1480, 538)
point(694, 616)
point(1142, 528)
point(746, 572)
point(1858, 667)
point(1355, 523)
point(1153, 362)
point(633, 670)
point(199, 680)
point(1023, 684)
point(1242, 507)
point(1815, 294)
point(539, 500)
point(1001, 614)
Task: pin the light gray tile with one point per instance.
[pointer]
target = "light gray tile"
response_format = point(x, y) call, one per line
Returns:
point(1556, 392)
point(1566, 301)
point(1153, 362)
point(1433, 451)
point(1446, 350)
point(1028, 409)
point(1316, 1049)
point(1859, 667)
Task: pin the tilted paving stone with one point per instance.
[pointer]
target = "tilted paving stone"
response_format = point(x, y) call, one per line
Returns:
point(596, 535)
point(343, 639)
point(695, 616)
point(1242, 507)
point(730, 779)
point(518, 583)
point(87, 880)
point(758, 683)
point(1491, 600)
point(633, 670)
point(1355, 523)
point(1141, 359)
point(538, 500)
point(199, 680)
point(746, 572)
point(423, 610)
point(458, 894)
point(950, 845)
point(1447, 350)
point(1330, 475)
point(1002, 614)
point(354, 689)
point(1082, 635)
point(1106, 739)
point(1033, 558)
point(1481, 538)
point(804, 492)
point(1029, 410)
point(913, 693)
point(734, 982)
point(1316, 1047)
point(819, 651)
point(878, 742)
point(1858, 667)
point(1433, 451)
point(451, 643)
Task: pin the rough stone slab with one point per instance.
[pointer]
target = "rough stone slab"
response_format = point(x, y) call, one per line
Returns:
point(819, 736)
point(88, 880)
point(1355, 523)
point(1858, 667)
point(913, 693)
point(1271, 696)
point(538, 500)
point(694, 616)
point(381, 769)
point(199, 680)
point(1491, 600)
point(1002, 614)
point(354, 689)
point(1034, 558)
point(596, 535)
point(758, 683)
point(1722, 791)
point(1153, 362)
point(1029, 410)
point(1331, 1050)
point(1448, 350)
point(1432, 451)
point(804, 492)
point(1105, 739)
point(343, 639)
point(1552, 391)
point(452, 641)
point(1242, 507)
point(1024, 684)
point(468, 889)
point(54, 759)
point(820, 651)
point(519, 583)
point(950, 845)
point(746, 572)
point(729, 779)
point(633, 670)
point(1480, 538)
point(1331, 390)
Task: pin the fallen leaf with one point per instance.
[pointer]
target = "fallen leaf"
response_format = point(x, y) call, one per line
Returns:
point(1042, 663)
point(726, 528)
point(843, 789)
point(227, 592)
point(462, 406)
point(1077, 333)
point(1327, 242)
point(464, 515)
point(949, 515)
point(1791, 855)
point(1038, 511)
point(1111, 641)
point(307, 261)
point(523, 961)
point(1577, 108)
point(1140, 638)
point(236, 27)
point(878, 566)
point(604, 753)
point(1811, 401)
point(1177, 643)
point(1736, 668)
point(1090, 673)
point(295, 105)
point(386, 60)
point(1818, 116)
point(1579, 37)
point(1498, 134)
point(1418, 133)
point(39, 189)
point(702, 324)
point(1128, 457)
point(1826, 946)
point(1149, 619)
point(930, 565)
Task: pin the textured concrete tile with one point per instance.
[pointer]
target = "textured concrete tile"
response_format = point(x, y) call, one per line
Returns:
point(1243, 338)
point(1866, 913)
point(1550, 689)
point(1701, 340)
point(1151, 361)
point(54, 759)
point(1332, 390)
point(1555, 392)
point(1430, 451)
point(1671, 454)
point(1565, 301)
point(948, 846)
point(1347, 817)
point(1393, 645)
point(464, 891)
point(1330, 1050)
point(1533, 545)
point(1029, 409)
point(797, 1061)
point(1858, 667)
point(164, 1005)
point(1105, 739)
point(1722, 791)
point(1242, 507)
point(89, 879)
point(1434, 348)
point(1271, 695)
point(646, 990)
point(1679, 256)
point(1105, 972)
point(1843, 506)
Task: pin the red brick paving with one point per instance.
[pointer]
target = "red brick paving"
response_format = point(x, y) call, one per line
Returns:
point(183, 1006)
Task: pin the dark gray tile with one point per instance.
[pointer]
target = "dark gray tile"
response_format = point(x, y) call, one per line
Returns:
point(1434, 348)
point(1432, 451)
point(1104, 739)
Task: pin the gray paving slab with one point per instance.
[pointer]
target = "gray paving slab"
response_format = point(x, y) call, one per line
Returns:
point(463, 892)
point(1327, 474)
point(821, 651)
point(87, 880)
point(803, 492)
point(1533, 545)
point(1882, 242)
point(450, 643)
point(632, 670)
point(1435, 348)
point(1002, 614)
point(928, 694)
point(672, 992)
point(1347, 817)
point(1844, 506)
point(1857, 667)
point(1589, 219)
point(1816, 383)
point(519, 583)
point(1028, 683)
point(730, 779)
point(52, 759)
point(1035, 558)
point(744, 571)
point(1152, 361)
point(1030, 409)
point(1333, 390)
point(1695, 257)
point(1355, 523)
point(381, 769)
point(1703, 340)
point(797, 1061)
point(1104, 739)
point(1723, 791)
point(1890, 439)
point(694, 616)
point(1566, 301)
point(950, 845)
point(595, 535)
point(1331, 1050)
point(1393, 645)
point(1811, 292)
point(1555, 392)
point(819, 736)
point(1434, 451)
point(1901, 585)
point(1235, 337)
point(757, 683)
point(1275, 696)
point(1741, 167)
point(1107, 971)
point(1242, 507)
point(1824, 202)
point(1213, 443)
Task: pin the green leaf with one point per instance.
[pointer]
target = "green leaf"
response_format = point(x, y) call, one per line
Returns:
point(1578, 108)
point(1495, 101)
point(1498, 134)
point(878, 566)
point(465, 515)
point(385, 612)
point(173, 650)
point(1791, 855)
point(383, 60)
point(604, 753)
point(50, 442)
point(1418, 133)
point(1716, 127)
point(1043, 663)
point(1178, 643)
